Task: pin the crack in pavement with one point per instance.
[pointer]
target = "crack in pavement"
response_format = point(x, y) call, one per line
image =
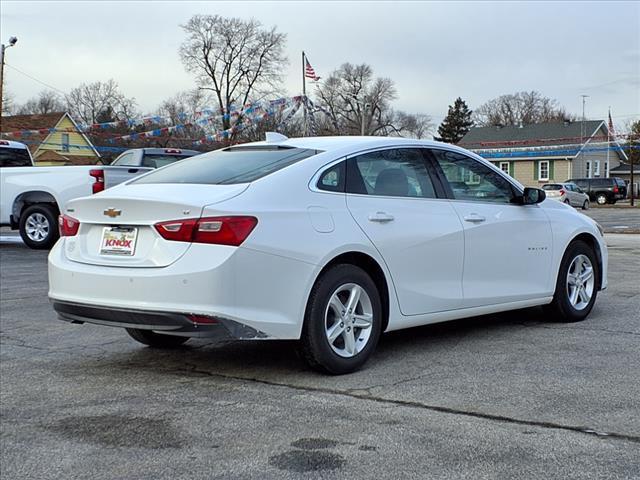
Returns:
point(415, 404)
point(549, 327)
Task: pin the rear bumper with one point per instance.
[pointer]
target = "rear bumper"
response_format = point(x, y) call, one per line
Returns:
point(264, 292)
point(163, 322)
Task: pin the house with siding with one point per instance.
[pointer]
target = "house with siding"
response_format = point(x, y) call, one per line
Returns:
point(53, 138)
point(548, 152)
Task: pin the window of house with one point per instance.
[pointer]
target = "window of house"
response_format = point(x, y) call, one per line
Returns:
point(606, 169)
point(587, 169)
point(596, 168)
point(504, 166)
point(543, 170)
point(65, 142)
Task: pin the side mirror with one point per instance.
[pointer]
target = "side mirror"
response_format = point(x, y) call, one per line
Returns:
point(531, 196)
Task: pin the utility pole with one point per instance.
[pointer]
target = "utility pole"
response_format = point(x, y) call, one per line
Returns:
point(12, 42)
point(582, 133)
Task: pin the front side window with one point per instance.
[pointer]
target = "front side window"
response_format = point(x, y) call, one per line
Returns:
point(400, 172)
point(229, 166)
point(543, 170)
point(471, 180)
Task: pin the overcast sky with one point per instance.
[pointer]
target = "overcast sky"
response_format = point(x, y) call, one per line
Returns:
point(434, 51)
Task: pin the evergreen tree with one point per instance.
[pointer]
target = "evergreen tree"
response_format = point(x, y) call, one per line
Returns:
point(456, 124)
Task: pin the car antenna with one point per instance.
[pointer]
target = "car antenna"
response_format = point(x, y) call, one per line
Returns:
point(273, 137)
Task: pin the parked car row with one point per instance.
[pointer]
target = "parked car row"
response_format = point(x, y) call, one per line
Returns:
point(32, 198)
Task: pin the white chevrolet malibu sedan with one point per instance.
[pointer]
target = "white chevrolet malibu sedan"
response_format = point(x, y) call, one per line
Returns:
point(328, 240)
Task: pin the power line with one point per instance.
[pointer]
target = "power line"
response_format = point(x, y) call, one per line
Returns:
point(35, 79)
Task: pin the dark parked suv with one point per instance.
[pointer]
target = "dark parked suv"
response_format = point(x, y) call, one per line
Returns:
point(602, 190)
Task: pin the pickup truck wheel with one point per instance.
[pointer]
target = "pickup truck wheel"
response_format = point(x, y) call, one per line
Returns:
point(39, 226)
point(156, 340)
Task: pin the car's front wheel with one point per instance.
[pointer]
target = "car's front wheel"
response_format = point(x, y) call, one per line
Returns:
point(577, 286)
point(343, 320)
point(157, 340)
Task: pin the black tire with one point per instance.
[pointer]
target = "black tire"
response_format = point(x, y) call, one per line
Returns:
point(156, 340)
point(315, 347)
point(47, 217)
point(585, 205)
point(601, 199)
point(561, 309)
point(567, 201)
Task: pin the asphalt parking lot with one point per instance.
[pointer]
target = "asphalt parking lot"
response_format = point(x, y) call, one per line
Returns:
point(616, 219)
point(502, 396)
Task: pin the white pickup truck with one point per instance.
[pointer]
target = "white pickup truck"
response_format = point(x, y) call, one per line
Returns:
point(31, 198)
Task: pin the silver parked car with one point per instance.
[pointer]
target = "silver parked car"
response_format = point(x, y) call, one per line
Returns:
point(568, 193)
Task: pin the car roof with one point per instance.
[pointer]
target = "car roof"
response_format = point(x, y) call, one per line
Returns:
point(328, 144)
point(12, 144)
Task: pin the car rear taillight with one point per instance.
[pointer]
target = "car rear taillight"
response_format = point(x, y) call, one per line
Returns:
point(98, 185)
point(68, 226)
point(202, 319)
point(615, 189)
point(562, 192)
point(214, 230)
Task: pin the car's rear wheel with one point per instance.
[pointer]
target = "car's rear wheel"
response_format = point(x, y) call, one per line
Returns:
point(601, 199)
point(39, 226)
point(577, 286)
point(585, 205)
point(566, 200)
point(157, 340)
point(342, 322)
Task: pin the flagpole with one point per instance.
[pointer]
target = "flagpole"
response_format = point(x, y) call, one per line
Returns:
point(606, 170)
point(304, 95)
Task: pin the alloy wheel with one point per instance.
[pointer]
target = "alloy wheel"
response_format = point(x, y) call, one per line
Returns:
point(348, 320)
point(580, 282)
point(37, 227)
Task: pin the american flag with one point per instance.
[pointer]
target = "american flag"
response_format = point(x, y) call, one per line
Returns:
point(309, 72)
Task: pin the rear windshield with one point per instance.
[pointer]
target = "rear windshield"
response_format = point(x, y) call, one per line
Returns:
point(620, 182)
point(158, 160)
point(554, 186)
point(14, 157)
point(228, 166)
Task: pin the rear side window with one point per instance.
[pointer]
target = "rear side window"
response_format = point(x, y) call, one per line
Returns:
point(398, 172)
point(601, 182)
point(229, 166)
point(332, 179)
point(14, 157)
point(157, 161)
point(620, 182)
point(126, 160)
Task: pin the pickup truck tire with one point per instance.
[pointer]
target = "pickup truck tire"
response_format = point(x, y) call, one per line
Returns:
point(39, 226)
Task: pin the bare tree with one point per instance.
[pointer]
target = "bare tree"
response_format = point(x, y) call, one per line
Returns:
point(357, 102)
point(99, 101)
point(235, 59)
point(184, 109)
point(47, 101)
point(520, 108)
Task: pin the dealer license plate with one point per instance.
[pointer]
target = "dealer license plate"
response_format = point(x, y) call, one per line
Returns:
point(118, 241)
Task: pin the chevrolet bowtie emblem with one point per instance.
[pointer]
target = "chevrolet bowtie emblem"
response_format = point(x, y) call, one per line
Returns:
point(112, 212)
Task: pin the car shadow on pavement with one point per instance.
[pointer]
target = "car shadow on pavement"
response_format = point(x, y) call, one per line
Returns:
point(260, 359)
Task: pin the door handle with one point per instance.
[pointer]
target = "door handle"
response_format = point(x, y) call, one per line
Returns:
point(474, 218)
point(380, 217)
